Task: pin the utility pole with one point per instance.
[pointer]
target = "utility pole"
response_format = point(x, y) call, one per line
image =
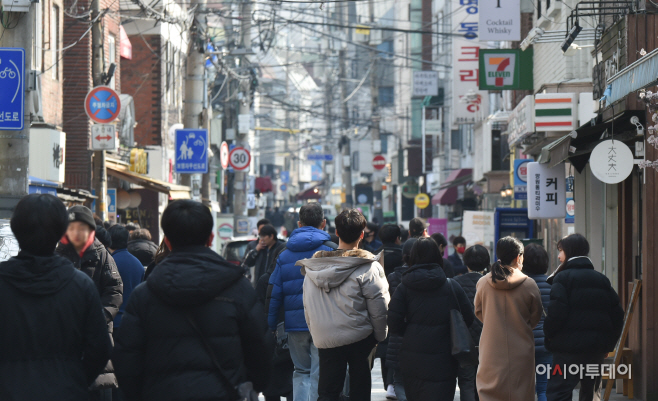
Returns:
point(194, 87)
point(14, 145)
point(240, 183)
point(100, 176)
point(345, 139)
point(375, 118)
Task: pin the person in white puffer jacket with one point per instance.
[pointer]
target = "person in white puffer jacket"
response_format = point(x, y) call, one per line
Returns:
point(345, 303)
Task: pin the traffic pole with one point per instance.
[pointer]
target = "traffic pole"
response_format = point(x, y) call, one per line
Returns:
point(100, 179)
point(14, 145)
point(378, 213)
point(194, 84)
point(240, 178)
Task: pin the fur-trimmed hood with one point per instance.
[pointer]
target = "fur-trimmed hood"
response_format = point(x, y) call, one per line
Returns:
point(329, 269)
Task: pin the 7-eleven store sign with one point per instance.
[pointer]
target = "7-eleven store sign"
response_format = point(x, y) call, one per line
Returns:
point(556, 112)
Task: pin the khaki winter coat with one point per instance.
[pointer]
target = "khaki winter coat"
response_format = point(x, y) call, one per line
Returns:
point(508, 310)
point(345, 297)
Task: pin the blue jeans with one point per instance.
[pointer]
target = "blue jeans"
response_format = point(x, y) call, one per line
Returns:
point(542, 380)
point(305, 357)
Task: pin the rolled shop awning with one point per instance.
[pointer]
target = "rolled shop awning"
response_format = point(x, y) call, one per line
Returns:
point(263, 184)
point(122, 171)
point(640, 74)
point(557, 151)
point(448, 192)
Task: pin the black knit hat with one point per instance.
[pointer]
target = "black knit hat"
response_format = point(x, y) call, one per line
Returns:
point(83, 214)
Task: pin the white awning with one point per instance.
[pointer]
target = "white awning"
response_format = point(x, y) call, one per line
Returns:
point(638, 75)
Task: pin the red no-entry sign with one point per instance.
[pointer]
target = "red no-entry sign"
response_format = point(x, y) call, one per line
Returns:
point(379, 162)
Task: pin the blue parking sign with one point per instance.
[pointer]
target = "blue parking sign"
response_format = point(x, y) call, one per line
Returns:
point(12, 87)
point(191, 151)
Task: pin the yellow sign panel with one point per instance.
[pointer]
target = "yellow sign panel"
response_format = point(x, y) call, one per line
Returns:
point(363, 29)
point(139, 161)
point(422, 200)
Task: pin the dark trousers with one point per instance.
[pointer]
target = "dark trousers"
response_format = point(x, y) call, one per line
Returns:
point(466, 379)
point(101, 395)
point(333, 368)
point(561, 389)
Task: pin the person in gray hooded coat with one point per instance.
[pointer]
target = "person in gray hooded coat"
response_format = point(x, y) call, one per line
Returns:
point(345, 303)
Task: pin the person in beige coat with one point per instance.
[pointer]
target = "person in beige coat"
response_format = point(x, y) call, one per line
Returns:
point(508, 303)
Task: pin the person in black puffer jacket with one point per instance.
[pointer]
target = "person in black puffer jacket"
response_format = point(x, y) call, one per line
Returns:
point(159, 356)
point(535, 266)
point(420, 311)
point(87, 254)
point(476, 259)
point(141, 246)
point(584, 319)
point(54, 340)
point(395, 341)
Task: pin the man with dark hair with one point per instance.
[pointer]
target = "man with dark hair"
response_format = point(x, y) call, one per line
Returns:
point(476, 259)
point(130, 268)
point(131, 226)
point(271, 247)
point(141, 246)
point(254, 247)
point(54, 335)
point(417, 228)
point(345, 304)
point(287, 288)
point(87, 254)
point(193, 298)
point(390, 236)
point(370, 241)
point(457, 258)
point(443, 243)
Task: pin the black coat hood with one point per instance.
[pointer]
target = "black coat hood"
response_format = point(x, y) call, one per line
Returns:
point(426, 277)
point(192, 276)
point(37, 275)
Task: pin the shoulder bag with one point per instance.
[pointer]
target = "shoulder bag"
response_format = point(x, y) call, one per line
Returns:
point(463, 347)
point(244, 391)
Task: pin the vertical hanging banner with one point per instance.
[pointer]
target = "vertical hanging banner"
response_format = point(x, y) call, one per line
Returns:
point(500, 20)
point(469, 104)
point(547, 191)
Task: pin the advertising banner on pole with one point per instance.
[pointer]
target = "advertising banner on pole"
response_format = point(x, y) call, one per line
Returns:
point(469, 104)
point(438, 226)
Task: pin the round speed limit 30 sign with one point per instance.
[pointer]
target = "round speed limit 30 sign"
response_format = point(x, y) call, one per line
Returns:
point(239, 158)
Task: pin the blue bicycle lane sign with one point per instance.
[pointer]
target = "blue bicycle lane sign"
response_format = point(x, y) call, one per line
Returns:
point(191, 151)
point(12, 87)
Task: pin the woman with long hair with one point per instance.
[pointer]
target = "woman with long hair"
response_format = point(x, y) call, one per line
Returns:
point(508, 304)
point(584, 319)
point(420, 313)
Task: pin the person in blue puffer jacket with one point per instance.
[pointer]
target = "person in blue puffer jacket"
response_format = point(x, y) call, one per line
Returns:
point(535, 265)
point(286, 285)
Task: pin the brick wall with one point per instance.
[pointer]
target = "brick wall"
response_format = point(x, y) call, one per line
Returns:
point(77, 83)
point(141, 78)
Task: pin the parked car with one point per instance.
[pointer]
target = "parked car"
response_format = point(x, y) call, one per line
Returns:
point(235, 248)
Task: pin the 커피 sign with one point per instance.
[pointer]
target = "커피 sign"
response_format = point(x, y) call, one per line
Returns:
point(546, 191)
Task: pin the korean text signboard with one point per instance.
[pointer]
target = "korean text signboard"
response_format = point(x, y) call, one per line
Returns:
point(547, 191)
point(191, 151)
point(500, 20)
point(426, 83)
point(469, 104)
point(521, 178)
point(12, 78)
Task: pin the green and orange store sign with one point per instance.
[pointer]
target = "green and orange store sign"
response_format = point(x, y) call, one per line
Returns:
point(505, 69)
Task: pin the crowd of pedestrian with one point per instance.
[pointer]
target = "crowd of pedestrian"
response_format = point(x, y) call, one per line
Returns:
point(96, 318)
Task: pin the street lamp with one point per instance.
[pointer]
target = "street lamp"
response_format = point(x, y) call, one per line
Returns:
point(506, 191)
point(509, 190)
